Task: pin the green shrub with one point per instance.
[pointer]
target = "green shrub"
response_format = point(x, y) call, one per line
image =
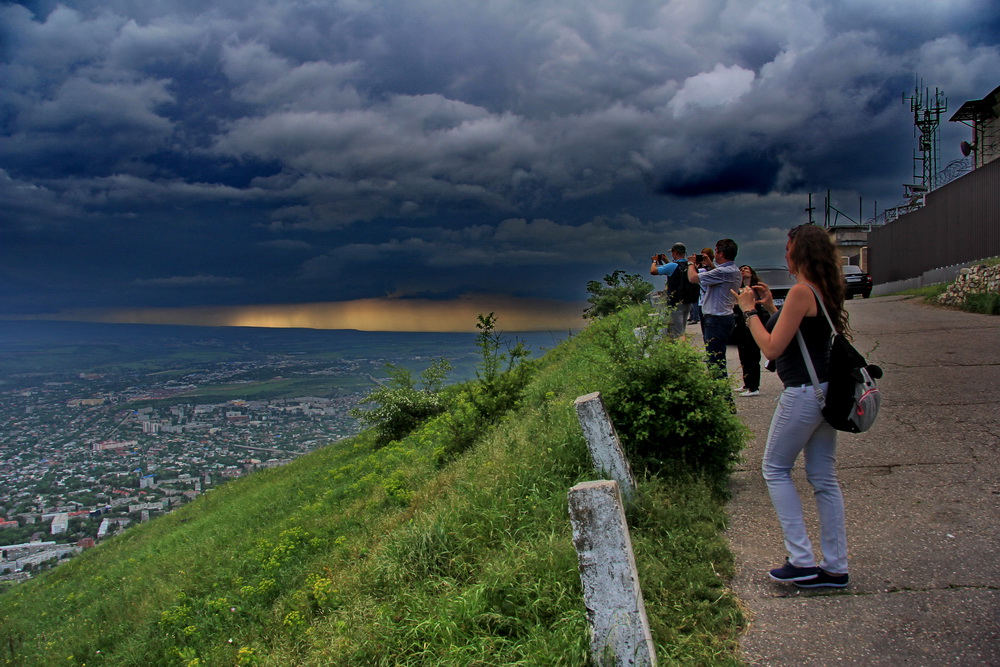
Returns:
point(461, 425)
point(502, 375)
point(399, 405)
point(670, 414)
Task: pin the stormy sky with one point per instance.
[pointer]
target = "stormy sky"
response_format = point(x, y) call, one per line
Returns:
point(409, 163)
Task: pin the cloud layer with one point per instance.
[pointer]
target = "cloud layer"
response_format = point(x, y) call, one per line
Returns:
point(201, 154)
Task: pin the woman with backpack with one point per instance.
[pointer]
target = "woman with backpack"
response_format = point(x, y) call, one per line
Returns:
point(798, 425)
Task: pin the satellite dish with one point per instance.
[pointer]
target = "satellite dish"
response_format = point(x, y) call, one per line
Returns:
point(967, 148)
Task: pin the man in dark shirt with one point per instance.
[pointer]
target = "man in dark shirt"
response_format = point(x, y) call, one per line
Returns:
point(676, 272)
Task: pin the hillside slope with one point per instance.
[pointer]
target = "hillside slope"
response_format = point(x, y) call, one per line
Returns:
point(421, 552)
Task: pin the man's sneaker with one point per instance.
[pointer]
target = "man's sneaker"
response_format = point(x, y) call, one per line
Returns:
point(750, 392)
point(789, 572)
point(824, 579)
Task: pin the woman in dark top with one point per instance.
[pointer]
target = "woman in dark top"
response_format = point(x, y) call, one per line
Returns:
point(747, 346)
point(797, 425)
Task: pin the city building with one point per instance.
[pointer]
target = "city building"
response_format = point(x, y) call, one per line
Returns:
point(983, 117)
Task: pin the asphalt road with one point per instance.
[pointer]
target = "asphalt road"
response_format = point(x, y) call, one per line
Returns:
point(923, 506)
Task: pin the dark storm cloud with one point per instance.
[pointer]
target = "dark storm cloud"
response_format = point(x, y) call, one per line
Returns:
point(747, 172)
point(242, 151)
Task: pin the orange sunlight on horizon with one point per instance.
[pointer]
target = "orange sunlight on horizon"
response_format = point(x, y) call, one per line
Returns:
point(424, 315)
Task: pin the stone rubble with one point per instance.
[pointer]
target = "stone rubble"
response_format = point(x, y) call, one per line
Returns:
point(973, 280)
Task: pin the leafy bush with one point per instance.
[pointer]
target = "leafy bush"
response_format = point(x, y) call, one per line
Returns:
point(620, 290)
point(457, 428)
point(399, 405)
point(502, 375)
point(670, 414)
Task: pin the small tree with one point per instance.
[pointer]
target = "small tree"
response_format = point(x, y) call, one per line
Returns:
point(501, 378)
point(502, 375)
point(399, 405)
point(619, 290)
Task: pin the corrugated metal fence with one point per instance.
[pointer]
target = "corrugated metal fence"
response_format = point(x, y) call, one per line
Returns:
point(959, 223)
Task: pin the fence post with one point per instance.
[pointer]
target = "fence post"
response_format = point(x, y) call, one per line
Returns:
point(602, 440)
point(619, 629)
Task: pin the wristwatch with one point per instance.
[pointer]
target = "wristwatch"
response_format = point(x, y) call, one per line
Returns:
point(747, 314)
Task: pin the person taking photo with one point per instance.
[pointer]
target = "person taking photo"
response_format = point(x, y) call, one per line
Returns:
point(720, 282)
point(798, 425)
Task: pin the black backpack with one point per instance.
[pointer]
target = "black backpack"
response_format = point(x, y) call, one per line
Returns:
point(852, 399)
point(679, 288)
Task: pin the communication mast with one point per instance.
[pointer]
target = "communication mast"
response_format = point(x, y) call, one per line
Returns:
point(927, 110)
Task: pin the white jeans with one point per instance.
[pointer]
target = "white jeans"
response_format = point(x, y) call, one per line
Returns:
point(798, 426)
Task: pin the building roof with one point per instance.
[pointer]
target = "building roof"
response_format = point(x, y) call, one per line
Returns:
point(974, 110)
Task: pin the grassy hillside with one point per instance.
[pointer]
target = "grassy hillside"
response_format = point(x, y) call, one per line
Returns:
point(449, 546)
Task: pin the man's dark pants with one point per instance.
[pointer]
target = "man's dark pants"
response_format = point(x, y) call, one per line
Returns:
point(716, 330)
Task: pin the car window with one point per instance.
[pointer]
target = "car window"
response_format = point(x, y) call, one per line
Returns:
point(851, 269)
point(776, 277)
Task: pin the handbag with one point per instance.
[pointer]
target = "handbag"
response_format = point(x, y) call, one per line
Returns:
point(852, 400)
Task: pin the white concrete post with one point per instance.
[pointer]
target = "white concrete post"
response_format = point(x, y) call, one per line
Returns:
point(619, 629)
point(602, 440)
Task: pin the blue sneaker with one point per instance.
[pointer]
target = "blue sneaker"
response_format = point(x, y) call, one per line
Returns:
point(789, 572)
point(824, 580)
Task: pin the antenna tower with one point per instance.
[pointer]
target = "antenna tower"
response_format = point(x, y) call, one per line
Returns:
point(927, 110)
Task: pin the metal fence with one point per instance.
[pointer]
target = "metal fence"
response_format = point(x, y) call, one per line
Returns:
point(959, 223)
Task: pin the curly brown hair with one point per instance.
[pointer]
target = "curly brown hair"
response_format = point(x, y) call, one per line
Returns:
point(815, 257)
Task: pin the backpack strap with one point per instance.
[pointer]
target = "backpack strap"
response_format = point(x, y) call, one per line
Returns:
point(820, 396)
point(822, 306)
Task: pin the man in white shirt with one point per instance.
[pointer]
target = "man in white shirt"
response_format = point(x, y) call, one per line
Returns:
point(720, 281)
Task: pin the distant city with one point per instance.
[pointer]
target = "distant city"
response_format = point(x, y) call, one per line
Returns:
point(84, 454)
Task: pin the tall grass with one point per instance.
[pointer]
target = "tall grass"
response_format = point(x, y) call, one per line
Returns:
point(929, 293)
point(985, 303)
point(364, 555)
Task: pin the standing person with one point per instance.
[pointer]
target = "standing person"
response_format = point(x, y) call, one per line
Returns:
point(798, 425)
point(680, 293)
point(749, 351)
point(720, 282)
point(709, 255)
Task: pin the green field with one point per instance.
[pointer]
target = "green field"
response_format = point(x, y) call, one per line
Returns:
point(448, 545)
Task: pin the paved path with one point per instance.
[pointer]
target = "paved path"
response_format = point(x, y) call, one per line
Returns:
point(923, 506)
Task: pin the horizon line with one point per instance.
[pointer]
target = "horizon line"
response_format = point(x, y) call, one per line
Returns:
point(370, 315)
